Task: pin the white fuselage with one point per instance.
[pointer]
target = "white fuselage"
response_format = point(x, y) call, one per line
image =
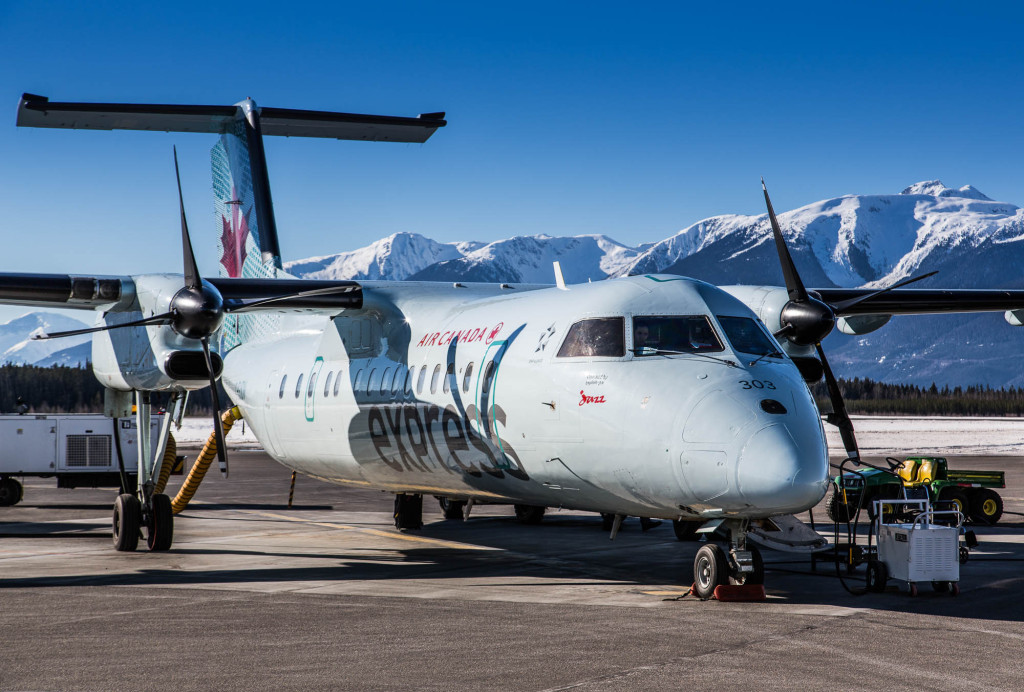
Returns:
point(421, 408)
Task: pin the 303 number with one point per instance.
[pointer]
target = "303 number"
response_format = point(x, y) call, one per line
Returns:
point(757, 384)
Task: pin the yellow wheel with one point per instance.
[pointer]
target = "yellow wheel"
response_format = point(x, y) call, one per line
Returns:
point(986, 507)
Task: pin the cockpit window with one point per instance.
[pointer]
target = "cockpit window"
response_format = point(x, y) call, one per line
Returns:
point(676, 334)
point(746, 336)
point(596, 337)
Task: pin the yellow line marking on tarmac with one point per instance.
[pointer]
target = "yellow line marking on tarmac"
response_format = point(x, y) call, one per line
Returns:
point(374, 532)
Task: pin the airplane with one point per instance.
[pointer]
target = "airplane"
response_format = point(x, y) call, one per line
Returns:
point(657, 396)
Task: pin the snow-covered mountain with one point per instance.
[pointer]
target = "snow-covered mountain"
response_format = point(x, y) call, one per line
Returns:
point(17, 346)
point(847, 241)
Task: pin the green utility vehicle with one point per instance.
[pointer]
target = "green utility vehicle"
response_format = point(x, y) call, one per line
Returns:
point(969, 492)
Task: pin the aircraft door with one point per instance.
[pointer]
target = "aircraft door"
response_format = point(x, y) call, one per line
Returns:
point(275, 390)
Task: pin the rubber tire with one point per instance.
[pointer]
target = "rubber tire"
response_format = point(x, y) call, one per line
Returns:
point(685, 529)
point(529, 514)
point(11, 492)
point(710, 570)
point(949, 498)
point(837, 511)
point(453, 510)
point(126, 522)
point(876, 577)
point(160, 532)
point(757, 576)
point(986, 506)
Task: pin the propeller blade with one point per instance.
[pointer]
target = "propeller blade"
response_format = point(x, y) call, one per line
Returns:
point(192, 278)
point(847, 304)
point(794, 285)
point(222, 453)
point(155, 319)
point(839, 417)
point(241, 306)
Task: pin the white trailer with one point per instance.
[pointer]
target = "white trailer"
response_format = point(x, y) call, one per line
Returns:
point(78, 449)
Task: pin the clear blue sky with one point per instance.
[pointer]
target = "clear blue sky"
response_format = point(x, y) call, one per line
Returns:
point(628, 119)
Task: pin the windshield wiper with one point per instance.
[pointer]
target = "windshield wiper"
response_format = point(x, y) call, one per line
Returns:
point(773, 354)
point(650, 351)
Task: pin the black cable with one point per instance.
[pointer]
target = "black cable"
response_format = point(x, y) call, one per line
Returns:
point(120, 459)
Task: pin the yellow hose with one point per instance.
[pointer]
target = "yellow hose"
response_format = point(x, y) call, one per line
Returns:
point(198, 471)
point(170, 454)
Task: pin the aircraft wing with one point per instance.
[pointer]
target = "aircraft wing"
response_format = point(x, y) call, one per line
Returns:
point(923, 301)
point(117, 293)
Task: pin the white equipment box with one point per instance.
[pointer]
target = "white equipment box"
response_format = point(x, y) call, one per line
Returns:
point(78, 449)
point(919, 550)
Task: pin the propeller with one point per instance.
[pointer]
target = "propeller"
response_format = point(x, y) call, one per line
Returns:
point(806, 320)
point(197, 311)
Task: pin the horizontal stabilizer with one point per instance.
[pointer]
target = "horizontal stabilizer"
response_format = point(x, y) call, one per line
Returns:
point(39, 111)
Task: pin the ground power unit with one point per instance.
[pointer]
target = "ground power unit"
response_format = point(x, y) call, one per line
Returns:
point(79, 450)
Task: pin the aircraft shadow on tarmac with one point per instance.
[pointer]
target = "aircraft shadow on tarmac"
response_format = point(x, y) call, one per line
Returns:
point(529, 556)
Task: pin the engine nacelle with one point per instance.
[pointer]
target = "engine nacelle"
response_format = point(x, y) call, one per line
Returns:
point(861, 324)
point(153, 358)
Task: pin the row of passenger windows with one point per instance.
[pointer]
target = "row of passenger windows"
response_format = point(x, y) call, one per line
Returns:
point(393, 381)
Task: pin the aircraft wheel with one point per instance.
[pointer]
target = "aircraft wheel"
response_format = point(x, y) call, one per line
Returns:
point(986, 506)
point(160, 532)
point(127, 519)
point(11, 492)
point(710, 569)
point(877, 576)
point(452, 509)
point(684, 529)
point(529, 514)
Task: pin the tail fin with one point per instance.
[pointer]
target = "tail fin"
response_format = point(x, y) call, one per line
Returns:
point(248, 241)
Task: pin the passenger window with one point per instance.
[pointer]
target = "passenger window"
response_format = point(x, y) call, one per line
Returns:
point(434, 378)
point(597, 337)
point(337, 384)
point(358, 384)
point(467, 379)
point(371, 383)
point(385, 381)
point(423, 377)
point(408, 379)
point(396, 383)
point(298, 385)
point(280, 392)
point(327, 383)
point(309, 389)
point(449, 378)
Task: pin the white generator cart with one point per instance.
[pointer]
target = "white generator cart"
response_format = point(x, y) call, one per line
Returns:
point(78, 449)
point(913, 548)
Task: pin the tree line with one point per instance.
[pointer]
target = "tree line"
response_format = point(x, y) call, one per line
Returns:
point(63, 389)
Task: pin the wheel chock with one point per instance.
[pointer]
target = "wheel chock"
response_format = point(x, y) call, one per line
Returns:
point(740, 592)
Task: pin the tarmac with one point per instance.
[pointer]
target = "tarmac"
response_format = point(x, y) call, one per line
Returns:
point(328, 595)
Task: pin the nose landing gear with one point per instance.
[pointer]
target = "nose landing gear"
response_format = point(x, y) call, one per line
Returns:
point(741, 566)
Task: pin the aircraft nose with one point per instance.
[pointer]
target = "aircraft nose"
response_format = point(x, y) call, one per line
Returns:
point(779, 473)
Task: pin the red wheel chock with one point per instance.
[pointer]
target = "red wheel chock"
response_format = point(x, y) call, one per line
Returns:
point(740, 592)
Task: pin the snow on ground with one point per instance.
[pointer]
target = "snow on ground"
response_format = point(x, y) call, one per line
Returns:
point(195, 431)
point(876, 436)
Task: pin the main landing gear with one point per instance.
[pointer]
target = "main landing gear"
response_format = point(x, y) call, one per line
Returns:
point(408, 511)
point(714, 567)
point(145, 508)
